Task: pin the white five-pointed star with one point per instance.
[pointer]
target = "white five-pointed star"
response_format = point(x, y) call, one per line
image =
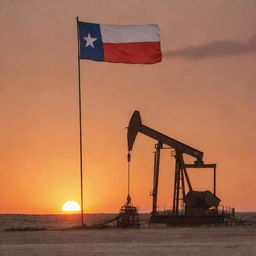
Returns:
point(89, 40)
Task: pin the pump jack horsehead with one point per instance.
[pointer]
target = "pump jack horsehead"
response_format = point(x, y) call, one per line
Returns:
point(200, 206)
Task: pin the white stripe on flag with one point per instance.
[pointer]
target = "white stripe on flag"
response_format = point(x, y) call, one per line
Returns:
point(129, 33)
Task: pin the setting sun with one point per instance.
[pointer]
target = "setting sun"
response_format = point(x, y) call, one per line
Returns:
point(71, 206)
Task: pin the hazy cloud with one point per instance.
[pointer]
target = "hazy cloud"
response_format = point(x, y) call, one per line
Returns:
point(216, 48)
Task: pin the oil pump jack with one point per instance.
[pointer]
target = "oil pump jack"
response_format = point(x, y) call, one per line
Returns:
point(200, 206)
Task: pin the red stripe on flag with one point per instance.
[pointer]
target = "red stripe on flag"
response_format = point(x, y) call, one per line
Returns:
point(135, 53)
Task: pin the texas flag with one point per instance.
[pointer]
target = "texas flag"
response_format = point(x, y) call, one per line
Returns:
point(137, 44)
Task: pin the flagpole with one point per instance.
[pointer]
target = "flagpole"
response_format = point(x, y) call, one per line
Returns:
point(80, 125)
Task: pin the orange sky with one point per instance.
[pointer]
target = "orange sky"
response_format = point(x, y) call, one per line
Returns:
point(202, 93)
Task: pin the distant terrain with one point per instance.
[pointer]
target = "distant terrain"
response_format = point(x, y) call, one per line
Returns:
point(59, 221)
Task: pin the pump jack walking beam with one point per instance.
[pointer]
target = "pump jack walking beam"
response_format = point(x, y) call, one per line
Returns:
point(136, 126)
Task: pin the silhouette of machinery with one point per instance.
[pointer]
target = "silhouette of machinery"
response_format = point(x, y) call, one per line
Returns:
point(187, 207)
point(128, 217)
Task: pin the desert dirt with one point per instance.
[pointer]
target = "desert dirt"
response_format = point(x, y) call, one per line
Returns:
point(157, 240)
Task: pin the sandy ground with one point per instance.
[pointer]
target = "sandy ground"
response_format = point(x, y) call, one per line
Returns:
point(196, 241)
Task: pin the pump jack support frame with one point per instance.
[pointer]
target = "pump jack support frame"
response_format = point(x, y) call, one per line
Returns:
point(181, 177)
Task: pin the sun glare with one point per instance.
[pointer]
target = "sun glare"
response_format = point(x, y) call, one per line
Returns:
point(71, 206)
